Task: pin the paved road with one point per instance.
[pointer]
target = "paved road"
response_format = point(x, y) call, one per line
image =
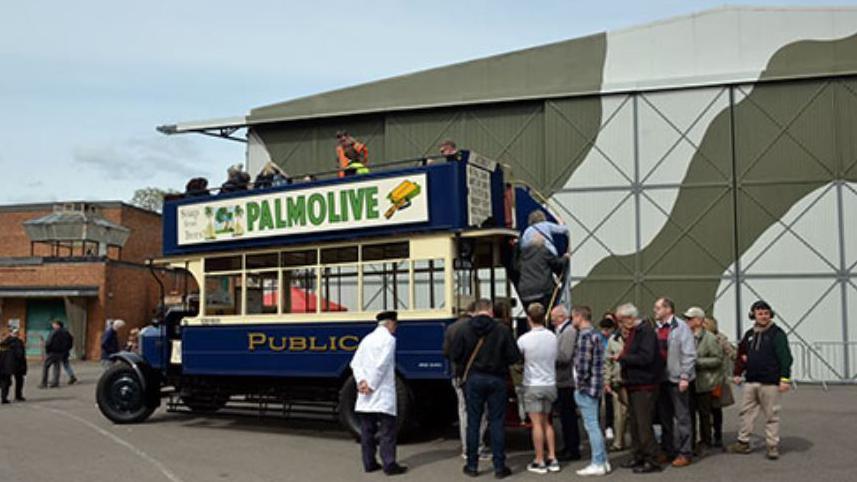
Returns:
point(59, 435)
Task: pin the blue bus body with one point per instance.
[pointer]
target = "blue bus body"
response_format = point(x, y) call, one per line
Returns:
point(206, 360)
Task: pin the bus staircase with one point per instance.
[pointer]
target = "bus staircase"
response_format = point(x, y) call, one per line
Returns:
point(528, 198)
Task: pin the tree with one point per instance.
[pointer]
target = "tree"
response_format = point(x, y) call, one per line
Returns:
point(151, 198)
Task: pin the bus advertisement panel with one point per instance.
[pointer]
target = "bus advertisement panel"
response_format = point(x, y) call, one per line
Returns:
point(371, 203)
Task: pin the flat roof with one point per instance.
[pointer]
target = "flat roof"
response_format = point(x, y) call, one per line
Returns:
point(47, 291)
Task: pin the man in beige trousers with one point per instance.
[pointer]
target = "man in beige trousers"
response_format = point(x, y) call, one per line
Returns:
point(764, 361)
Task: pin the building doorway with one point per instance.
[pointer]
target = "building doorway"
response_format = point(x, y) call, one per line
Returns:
point(40, 314)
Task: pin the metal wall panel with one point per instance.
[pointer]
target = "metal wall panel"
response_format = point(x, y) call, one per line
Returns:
point(646, 184)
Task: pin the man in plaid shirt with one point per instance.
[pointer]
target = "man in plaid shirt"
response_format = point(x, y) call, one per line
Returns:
point(589, 379)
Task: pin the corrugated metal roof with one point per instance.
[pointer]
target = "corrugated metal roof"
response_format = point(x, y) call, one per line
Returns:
point(700, 49)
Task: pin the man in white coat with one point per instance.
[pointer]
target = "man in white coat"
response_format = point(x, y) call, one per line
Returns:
point(374, 369)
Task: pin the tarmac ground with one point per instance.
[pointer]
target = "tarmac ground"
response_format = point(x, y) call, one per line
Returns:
point(59, 435)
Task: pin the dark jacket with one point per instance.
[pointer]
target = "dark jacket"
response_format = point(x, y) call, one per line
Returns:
point(768, 357)
point(13, 356)
point(109, 343)
point(450, 335)
point(497, 353)
point(239, 181)
point(641, 362)
point(59, 342)
point(537, 266)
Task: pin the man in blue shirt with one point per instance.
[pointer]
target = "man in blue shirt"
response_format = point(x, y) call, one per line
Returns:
point(538, 225)
point(110, 342)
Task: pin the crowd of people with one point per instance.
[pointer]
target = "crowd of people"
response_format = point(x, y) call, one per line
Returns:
point(669, 373)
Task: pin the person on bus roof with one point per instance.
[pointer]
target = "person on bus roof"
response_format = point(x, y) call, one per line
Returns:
point(374, 370)
point(356, 162)
point(344, 140)
point(236, 179)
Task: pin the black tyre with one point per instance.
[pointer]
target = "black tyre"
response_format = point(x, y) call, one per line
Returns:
point(405, 421)
point(120, 395)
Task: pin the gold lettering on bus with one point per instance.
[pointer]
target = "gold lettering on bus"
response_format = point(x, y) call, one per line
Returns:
point(258, 340)
point(297, 343)
point(348, 343)
point(314, 347)
point(255, 339)
point(273, 345)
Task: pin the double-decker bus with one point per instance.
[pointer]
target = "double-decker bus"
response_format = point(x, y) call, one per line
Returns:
point(291, 277)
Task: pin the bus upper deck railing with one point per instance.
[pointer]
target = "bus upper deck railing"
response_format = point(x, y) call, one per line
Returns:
point(421, 161)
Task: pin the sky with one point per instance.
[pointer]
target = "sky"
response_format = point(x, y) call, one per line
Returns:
point(84, 84)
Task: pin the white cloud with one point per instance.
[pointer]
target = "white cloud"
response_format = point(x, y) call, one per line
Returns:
point(141, 158)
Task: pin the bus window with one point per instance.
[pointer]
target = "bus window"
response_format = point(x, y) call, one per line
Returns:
point(262, 291)
point(378, 252)
point(299, 293)
point(299, 258)
point(260, 261)
point(385, 286)
point(339, 287)
point(223, 294)
point(342, 254)
point(223, 263)
point(429, 284)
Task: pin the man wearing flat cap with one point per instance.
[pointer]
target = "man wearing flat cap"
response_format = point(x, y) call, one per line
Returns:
point(374, 370)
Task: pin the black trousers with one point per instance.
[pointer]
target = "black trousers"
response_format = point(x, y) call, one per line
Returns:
point(52, 361)
point(717, 418)
point(642, 403)
point(568, 419)
point(609, 416)
point(19, 386)
point(378, 430)
point(666, 417)
point(5, 383)
point(702, 415)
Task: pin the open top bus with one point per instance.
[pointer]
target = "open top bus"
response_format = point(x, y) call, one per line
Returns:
point(290, 279)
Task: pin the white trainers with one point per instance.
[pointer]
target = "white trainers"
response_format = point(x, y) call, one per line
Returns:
point(593, 470)
point(553, 465)
point(537, 468)
point(608, 434)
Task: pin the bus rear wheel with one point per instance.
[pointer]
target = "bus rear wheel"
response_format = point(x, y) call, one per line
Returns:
point(405, 421)
point(121, 397)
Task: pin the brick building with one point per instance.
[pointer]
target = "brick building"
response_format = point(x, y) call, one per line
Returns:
point(82, 263)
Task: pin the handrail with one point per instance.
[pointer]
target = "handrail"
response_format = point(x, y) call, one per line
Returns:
point(298, 178)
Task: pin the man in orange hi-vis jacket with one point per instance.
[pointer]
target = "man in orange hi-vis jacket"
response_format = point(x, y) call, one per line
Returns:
point(344, 140)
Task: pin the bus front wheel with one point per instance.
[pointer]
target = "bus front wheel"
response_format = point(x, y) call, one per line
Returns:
point(121, 396)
